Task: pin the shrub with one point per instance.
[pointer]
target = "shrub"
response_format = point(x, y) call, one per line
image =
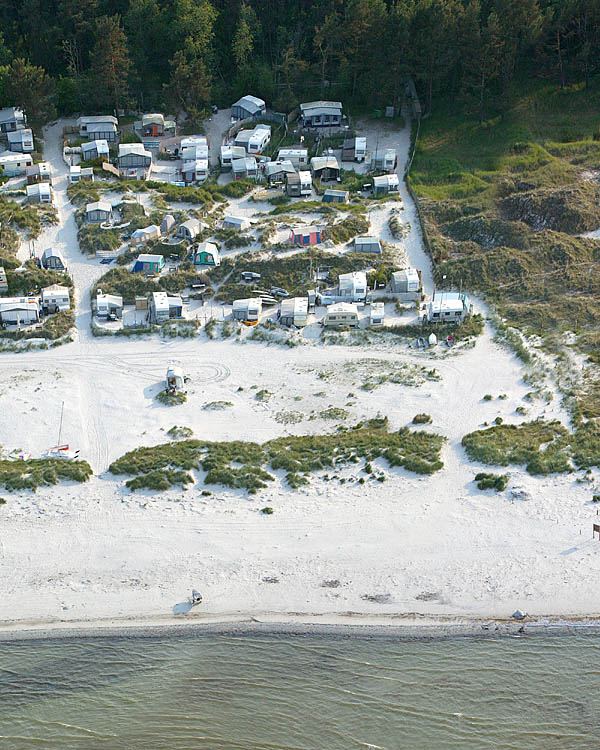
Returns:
point(496, 482)
point(171, 399)
point(178, 433)
point(421, 419)
point(267, 510)
point(488, 397)
point(40, 472)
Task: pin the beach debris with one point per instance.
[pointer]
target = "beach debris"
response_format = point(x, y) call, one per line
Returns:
point(332, 583)
point(270, 579)
point(518, 615)
point(520, 493)
point(377, 598)
point(427, 596)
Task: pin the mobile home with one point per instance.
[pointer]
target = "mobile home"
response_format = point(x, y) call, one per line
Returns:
point(247, 310)
point(294, 312)
point(248, 106)
point(321, 114)
point(341, 314)
point(103, 127)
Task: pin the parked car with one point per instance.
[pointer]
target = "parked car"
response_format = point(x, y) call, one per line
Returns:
point(279, 292)
point(250, 276)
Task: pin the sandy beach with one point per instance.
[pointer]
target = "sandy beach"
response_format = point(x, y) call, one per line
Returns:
point(427, 551)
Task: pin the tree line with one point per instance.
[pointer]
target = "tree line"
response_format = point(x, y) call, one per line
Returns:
point(67, 56)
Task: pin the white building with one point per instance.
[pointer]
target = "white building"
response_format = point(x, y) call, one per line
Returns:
point(405, 281)
point(189, 230)
point(294, 312)
point(260, 138)
point(448, 307)
point(236, 222)
point(108, 305)
point(14, 164)
point(39, 192)
point(377, 317)
point(386, 183)
point(298, 156)
point(21, 141)
point(77, 174)
point(95, 149)
point(163, 307)
point(353, 286)
point(247, 310)
point(19, 311)
point(55, 299)
point(341, 314)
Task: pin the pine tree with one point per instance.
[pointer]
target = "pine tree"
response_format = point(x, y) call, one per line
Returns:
point(110, 64)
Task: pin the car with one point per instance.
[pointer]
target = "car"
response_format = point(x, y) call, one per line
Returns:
point(279, 292)
point(214, 109)
point(250, 276)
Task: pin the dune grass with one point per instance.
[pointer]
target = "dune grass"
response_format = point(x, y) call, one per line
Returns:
point(245, 465)
point(41, 472)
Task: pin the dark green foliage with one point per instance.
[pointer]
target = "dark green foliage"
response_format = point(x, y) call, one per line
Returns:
point(496, 482)
point(267, 511)
point(421, 419)
point(40, 472)
point(346, 229)
point(80, 193)
point(543, 447)
point(171, 399)
point(160, 479)
point(243, 465)
point(231, 238)
point(127, 284)
point(93, 239)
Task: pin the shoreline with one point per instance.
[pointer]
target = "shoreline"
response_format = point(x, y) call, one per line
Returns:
point(402, 626)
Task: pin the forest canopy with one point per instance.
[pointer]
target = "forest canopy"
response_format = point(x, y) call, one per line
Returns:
point(67, 56)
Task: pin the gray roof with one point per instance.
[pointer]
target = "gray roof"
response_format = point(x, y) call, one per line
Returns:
point(250, 103)
point(11, 114)
point(310, 109)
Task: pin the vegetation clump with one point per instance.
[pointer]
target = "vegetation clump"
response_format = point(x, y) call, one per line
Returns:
point(421, 419)
point(171, 399)
point(489, 481)
point(244, 465)
point(41, 472)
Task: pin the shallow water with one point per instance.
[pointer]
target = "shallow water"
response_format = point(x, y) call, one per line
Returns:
point(300, 693)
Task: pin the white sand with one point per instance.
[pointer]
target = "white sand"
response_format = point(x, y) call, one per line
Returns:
point(430, 546)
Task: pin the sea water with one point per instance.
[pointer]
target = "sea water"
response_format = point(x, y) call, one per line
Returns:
point(312, 692)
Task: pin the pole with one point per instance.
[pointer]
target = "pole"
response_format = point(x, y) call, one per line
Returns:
point(62, 408)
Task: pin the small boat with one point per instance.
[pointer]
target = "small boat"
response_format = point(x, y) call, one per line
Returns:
point(196, 598)
point(250, 322)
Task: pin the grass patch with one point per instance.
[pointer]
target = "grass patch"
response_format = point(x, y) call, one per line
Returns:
point(346, 229)
point(171, 399)
point(41, 472)
point(421, 419)
point(244, 465)
point(488, 481)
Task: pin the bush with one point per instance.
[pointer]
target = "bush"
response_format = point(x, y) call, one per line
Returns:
point(171, 399)
point(421, 419)
point(40, 472)
point(267, 511)
point(496, 482)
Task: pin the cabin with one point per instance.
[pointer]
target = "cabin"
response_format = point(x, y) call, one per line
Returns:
point(40, 192)
point(189, 230)
point(194, 170)
point(341, 314)
point(260, 138)
point(336, 196)
point(310, 235)
point(193, 146)
point(298, 156)
point(377, 316)
point(163, 307)
point(14, 164)
point(354, 149)
point(367, 245)
point(134, 160)
point(98, 212)
point(321, 114)
point(79, 174)
point(247, 310)
point(406, 281)
point(109, 305)
point(236, 222)
point(3, 281)
point(245, 168)
point(384, 160)
point(294, 312)
point(149, 263)
point(167, 224)
point(448, 307)
point(52, 259)
point(95, 150)
point(248, 106)
point(144, 236)
point(386, 183)
point(11, 119)
point(55, 299)
point(153, 125)
point(242, 137)
point(21, 141)
point(98, 128)
point(229, 153)
point(276, 172)
point(206, 254)
point(325, 168)
point(297, 185)
point(39, 172)
point(19, 311)
point(353, 286)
